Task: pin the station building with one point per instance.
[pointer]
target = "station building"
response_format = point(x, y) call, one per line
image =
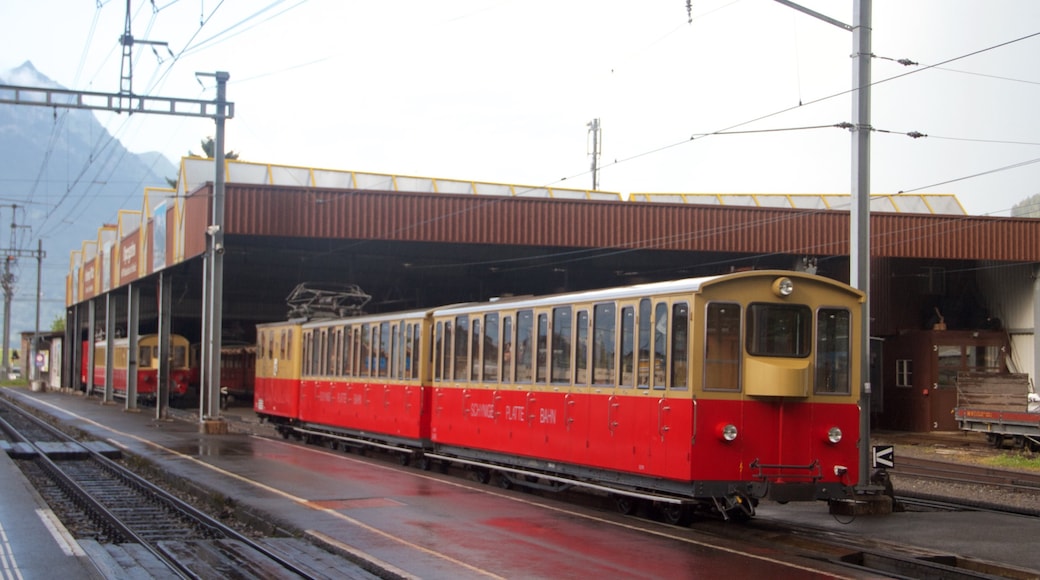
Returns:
point(949, 292)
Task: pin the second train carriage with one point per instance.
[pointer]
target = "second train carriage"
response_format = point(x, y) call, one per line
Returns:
point(237, 374)
point(718, 390)
point(183, 375)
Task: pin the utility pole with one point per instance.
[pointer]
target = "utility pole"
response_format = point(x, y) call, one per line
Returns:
point(596, 132)
point(859, 214)
point(7, 282)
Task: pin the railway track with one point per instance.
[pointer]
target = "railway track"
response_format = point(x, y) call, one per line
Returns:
point(127, 524)
point(968, 486)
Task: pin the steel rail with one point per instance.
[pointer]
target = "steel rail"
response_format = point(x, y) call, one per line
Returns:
point(200, 518)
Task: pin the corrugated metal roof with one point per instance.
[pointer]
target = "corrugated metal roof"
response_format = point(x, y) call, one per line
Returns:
point(351, 214)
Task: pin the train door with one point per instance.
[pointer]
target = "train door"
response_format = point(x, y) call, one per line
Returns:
point(490, 366)
point(653, 343)
point(507, 376)
point(576, 407)
point(603, 375)
point(515, 397)
point(670, 420)
point(552, 402)
point(626, 416)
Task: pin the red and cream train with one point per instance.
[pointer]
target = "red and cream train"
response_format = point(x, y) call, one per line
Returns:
point(183, 374)
point(710, 392)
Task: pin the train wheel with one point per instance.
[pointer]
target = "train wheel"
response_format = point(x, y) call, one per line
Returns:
point(424, 463)
point(676, 514)
point(625, 504)
point(504, 482)
point(995, 439)
point(404, 459)
point(481, 475)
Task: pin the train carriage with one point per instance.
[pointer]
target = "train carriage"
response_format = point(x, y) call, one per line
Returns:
point(733, 387)
point(237, 373)
point(183, 376)
point(363, 376)
point(276, 389)
point(711, 392)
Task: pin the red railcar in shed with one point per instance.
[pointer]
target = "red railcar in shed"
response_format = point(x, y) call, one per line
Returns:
point(183, 375)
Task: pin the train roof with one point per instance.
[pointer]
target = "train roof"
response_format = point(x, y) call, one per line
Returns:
point(685, 285)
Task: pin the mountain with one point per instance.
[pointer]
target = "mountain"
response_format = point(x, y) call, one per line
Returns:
point(62, 176)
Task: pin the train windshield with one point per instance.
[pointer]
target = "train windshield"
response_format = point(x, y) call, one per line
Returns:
point(779, 330)
point(179, 354)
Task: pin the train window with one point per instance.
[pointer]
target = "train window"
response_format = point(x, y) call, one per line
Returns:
point(680, 344)
point(560, 371)
point(323, 355)
point(395, 351)
point(507, 349)
point(449, 344)
point(491, 348)
point(643, 364)
point(365, 350)
point(438, 341)
point(415, 350)
point(628, 329)
point(306, 363)
point(541, 372)
point(144, 357)
point(603, 347)
point(524, 348)
point(355, 352)
point(347, 354)
point(581, 351)
point(281, 345)
point(779, 330)
point(179, 354)
point(722, 347)
point(660, 345)
point(384, 349)
point(461, 348)
point(833, 351)
point(334, 336)
point(474, 351)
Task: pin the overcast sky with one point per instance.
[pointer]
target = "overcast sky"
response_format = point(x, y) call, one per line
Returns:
point(502, 90)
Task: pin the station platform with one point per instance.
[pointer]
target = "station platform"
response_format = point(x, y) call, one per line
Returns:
point(32, 543)
point(407, 523)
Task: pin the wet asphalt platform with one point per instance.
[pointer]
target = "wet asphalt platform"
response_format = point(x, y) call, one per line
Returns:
point(414, 524)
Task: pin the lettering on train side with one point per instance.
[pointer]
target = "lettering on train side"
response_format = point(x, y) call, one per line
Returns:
point(547, 416)
point(515, 413)
point(484, 410)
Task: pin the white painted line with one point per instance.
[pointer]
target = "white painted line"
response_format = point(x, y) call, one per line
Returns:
point(69, 546)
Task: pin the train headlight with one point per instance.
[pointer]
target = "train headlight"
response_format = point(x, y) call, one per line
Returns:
point(783, 287)
point(834, 434)
point(728, 432)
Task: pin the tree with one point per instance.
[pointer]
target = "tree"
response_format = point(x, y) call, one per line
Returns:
point(58, 324)
point(208, 145)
